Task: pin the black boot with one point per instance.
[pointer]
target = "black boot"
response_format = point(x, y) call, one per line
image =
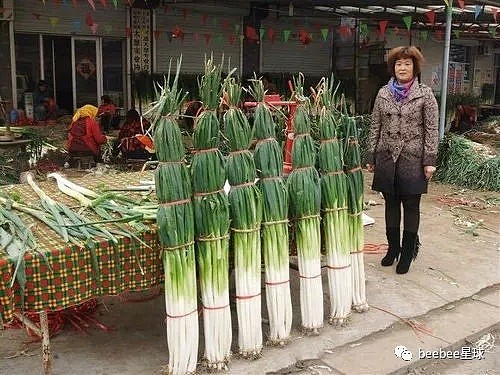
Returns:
point(409, 251)
point(393, 238)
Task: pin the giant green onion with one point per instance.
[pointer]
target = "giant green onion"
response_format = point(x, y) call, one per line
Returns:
point(211, 210)
point(246, 215)
point(335, 230)
point(305, 200)
point(275, 247)
point(355, 193)
point(175, 221)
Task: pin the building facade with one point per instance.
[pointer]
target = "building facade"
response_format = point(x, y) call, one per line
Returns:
point(86, 49)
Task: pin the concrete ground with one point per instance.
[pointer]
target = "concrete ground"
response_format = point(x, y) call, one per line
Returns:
point(451, 293)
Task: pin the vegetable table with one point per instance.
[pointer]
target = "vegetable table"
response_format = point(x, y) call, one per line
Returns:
point(60, 275)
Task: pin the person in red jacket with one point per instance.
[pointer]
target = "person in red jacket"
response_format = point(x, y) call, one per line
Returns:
point(107, 113)
point(84, 135)
point(133, 142)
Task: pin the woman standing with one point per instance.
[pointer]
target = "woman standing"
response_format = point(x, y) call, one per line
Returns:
point(402, 151)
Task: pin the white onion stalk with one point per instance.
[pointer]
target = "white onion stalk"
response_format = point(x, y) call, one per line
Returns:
point(211, 209)
point(175, 221)
point(245, 203)
point(355, 191)
point(268, 157)
point(334, 206)
point(305, 204)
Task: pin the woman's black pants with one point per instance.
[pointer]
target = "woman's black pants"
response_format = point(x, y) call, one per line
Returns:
point(411, 211)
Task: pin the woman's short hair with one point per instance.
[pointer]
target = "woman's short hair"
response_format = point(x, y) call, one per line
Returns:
point(410, 52)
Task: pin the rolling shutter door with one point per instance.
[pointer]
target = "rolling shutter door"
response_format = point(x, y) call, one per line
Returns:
point(31, 16)
point(292, 56)
point(206, 30)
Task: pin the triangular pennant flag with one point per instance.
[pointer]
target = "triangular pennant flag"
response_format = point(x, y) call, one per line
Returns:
point(92, 4)
point(94, 28)
point(115, 3)
point(382, 26)
point(363, 29)
point(53, 21)
point(251, 33)
point(456, 33)
point(495, 13)
point(231, 38)
point(305, 37)
point(262, 32)
point(407, 21)
point(324, 33)
point(77, 25)
point(89, 21)
point(461, 4)
point(286, 35)
point(431, 16)
point(424, 34)
point(178, 33)
point(477, 11)
point(271, 34)
point(493, 31)
point(104, 3)
point(225, 24)
point(207, 37)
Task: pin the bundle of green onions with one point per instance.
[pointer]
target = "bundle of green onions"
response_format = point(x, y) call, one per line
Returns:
point(305, 202)
point(114, 209)
point(355, 193)
point(465, 163)
point(16, 239)
point(335, 230)
point(211, 209)
point(176, 229)
point(246, 215)
point(269, 162)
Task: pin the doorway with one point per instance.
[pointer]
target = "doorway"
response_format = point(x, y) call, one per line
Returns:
point(86, 71)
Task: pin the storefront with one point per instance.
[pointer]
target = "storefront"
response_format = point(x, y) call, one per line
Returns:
point(79, 52)
point(86, 49)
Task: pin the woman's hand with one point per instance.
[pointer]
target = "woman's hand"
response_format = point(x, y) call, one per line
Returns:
point(429, 171)
point(370, 167)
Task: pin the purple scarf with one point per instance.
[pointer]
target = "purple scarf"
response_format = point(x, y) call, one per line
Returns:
point(400, 91)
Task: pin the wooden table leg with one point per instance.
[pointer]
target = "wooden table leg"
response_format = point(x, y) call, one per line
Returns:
point(44, 325)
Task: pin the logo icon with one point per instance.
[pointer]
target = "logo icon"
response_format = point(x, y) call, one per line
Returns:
point(402, 352)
